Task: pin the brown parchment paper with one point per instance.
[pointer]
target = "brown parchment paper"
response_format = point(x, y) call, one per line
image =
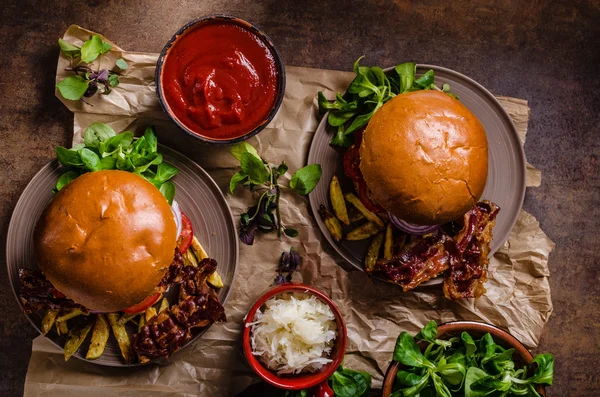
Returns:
point(518, 293)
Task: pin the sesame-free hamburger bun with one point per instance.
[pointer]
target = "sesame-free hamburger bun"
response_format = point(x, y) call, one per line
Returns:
point(106, 240)
point(424, 157)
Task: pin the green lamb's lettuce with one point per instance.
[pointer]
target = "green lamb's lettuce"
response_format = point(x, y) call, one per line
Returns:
point(370, 89)
point(104, 149)
point(464, 367)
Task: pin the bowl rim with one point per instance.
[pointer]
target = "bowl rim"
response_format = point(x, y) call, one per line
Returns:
point(468, 326)
point(279, 65)
point(306, 380)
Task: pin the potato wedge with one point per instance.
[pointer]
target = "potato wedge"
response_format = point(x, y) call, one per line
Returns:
point(69, 315)
point(164, 305)
point(355, 201)
point(61, 327)
point(100, 336)
point(388, 246)
point(150, 313)
point(125, 318)
point(373, 251)
point(215, 280)
point(337, 201)
point(189, 259)
point(355, 215)
point(48, 320)
point(141, 323)
point(332, 223)
point(363, 232)
point(198, 249)
point(75, 339)
point(122, 338)
point(401, 241)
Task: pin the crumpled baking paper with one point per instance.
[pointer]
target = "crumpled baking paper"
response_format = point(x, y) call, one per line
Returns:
point(518, 293)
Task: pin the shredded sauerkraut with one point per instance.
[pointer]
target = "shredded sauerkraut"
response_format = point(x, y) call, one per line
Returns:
point(294, 333)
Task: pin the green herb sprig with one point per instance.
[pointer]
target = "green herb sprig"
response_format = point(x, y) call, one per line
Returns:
point(463, 366)
point(369, 90)
point(103, 149)
point(87, 82)
point(260, 176)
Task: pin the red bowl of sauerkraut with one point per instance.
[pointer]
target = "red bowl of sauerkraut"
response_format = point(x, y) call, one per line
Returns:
point(294, 337)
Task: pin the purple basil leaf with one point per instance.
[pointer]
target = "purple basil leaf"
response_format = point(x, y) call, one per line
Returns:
point(295, 259)
point(279, 280)
point(284, 262)
point(247, 235)
point(91, 90)
point(102, 75)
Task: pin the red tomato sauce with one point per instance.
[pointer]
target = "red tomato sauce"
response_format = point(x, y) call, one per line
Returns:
point(220, 80)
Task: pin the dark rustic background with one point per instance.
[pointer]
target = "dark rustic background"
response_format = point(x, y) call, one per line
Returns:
point(547, 52)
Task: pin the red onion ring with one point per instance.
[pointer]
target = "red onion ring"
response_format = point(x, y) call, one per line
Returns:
point(411, 228)
point(177, 216)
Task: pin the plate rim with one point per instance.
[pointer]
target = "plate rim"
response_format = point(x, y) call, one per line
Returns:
point(512, 129)
point(230, 219)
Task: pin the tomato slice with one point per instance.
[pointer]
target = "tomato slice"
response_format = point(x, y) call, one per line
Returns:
point(147, 302)
point(57, 294)
point(187, 233)
point(364, 194)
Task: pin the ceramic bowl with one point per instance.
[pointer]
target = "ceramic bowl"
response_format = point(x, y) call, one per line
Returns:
point(299, 381)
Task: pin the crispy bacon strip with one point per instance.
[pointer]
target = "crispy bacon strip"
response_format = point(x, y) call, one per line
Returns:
point(419, 262)
point(199, 306)
point(466, 277)
point(464, 258)
point(37, 293)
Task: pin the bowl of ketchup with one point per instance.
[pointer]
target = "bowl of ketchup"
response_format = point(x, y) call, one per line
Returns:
point(220, 79)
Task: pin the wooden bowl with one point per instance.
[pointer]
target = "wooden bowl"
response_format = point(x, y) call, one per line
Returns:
point(522, 356)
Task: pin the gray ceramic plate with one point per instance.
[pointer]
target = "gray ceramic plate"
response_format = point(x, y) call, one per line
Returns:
point(506, 174)
point(198, 196)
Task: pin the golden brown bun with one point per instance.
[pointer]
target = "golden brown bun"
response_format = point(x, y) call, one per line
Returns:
point(106, 240)
point(424, 157)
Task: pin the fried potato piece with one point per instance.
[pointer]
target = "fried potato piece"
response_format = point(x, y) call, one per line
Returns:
point(215, 280)
point(401, 241)
point(48, 320)
point(332, 223)
point(164, 305)
point(69, 315)
point(198, 249)
point(355, 215)
point(141, 323)
point(75, 339)
point(122, 338)
point(373, 251)
point(337, 201)
point(355, 201)
point(363, 232)
point(125, 318)
point(189, 259)
point(61, 327)
point(100, 336)
point(150, 313)
point(388, 246)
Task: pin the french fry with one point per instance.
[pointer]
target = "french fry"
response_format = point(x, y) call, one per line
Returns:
point(69, 315)
point(332, 223)
point(337, 201)
point(355, 215)
point(141, 323)
point(75, 339)
point(150, 312)
point(189, 259)
point(401, 242)
point(48, 320)
point(198, 249)
point(164, 305)
point(388, 246)
point(215, 280)
point(355, 201)
point(125, 318)
point(61, 327)
point(363, 232)
point(373, 251)
point(100, 335)
point(121, 335)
